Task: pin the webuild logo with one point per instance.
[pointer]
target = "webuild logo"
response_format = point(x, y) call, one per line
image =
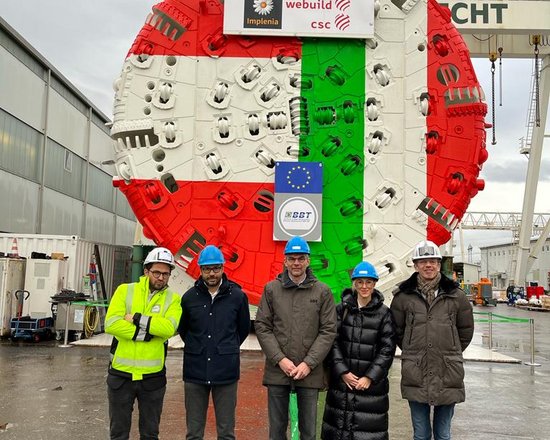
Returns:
point(341, 20)
point(263, 14)
point(308, 4)
point(300, 18)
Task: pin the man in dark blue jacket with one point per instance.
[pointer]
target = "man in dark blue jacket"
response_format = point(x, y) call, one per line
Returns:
point(214, 323)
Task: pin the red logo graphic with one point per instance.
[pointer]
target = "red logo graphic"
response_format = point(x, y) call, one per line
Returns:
point(342, 5)
point(342, 22)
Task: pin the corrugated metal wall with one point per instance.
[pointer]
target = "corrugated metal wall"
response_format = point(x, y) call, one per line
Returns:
point(53, 179)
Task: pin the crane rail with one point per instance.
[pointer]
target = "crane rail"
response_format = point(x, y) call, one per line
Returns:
point(507, 221)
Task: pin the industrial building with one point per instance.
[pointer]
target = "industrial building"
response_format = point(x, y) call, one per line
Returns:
point(60, 210)
point(55, 172)
point(498, 263)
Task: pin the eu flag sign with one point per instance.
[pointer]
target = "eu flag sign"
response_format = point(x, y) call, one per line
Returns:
point(298, 200)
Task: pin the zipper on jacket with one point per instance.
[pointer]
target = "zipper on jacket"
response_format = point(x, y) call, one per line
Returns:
point(452, 329)
point(411, 325)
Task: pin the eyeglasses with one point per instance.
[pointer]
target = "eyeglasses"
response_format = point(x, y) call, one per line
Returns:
point(426, 261)
point(367, 283)
point(301, 259)
point(157, 274)
point(208, 269)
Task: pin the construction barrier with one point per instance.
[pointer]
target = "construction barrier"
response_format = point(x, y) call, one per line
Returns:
point(508, 319)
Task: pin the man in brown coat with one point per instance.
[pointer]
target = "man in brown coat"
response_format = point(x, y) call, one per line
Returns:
point(296, 326)
point(434, 323)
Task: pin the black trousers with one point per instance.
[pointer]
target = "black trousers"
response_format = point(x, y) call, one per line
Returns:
point(196, 407)
point(122, 393)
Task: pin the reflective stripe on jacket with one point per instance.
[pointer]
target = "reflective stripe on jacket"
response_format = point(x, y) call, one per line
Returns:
point(141, 350)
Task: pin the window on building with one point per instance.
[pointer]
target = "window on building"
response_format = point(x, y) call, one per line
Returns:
point(20, 148)
point(64, 170)
point(68, 162)
point(100, 188)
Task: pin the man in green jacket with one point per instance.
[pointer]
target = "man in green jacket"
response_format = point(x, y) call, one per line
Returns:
point(141, 317)
point(434, 323)
point(296, 326)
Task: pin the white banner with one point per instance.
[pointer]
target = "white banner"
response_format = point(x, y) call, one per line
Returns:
point(300, 18)
point(499, 16)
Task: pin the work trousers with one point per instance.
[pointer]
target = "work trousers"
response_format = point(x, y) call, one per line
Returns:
point(224, 398)
point(422, 426)
point(122, 393)
point(278, 397)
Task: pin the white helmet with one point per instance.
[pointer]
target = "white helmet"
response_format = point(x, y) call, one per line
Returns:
point(426, 249)
point(160, 255)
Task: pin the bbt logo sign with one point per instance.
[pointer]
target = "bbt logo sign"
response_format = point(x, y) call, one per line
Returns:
point(298, 200)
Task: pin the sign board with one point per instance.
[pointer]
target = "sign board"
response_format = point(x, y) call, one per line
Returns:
point(300, 18)
point(499, 16)
point(79, 316)
point(298, 200)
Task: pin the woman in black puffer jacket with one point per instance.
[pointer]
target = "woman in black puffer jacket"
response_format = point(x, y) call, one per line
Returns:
point(357, 400)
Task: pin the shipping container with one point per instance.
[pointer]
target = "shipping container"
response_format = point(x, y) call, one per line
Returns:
point(12, 278)
point(115, 260)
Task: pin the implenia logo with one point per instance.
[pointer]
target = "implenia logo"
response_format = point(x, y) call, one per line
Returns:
point(264, 14)
point(263, 7)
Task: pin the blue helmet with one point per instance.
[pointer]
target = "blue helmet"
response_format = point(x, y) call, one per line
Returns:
point(364, 270)
point(211, 255)
point(297, 245)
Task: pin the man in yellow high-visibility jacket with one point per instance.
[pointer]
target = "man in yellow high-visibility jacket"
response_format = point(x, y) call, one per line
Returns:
point(141, 317)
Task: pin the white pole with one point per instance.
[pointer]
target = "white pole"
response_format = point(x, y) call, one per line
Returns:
point(66, 338)
point(532, 337)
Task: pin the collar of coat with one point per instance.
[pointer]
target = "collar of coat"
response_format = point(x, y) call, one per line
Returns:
point(287, 283)
point(349, 300)
point(410, 285)
point(143, 282)
point(225, 287)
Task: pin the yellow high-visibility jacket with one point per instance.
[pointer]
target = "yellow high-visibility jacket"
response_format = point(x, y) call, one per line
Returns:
point(139, 347)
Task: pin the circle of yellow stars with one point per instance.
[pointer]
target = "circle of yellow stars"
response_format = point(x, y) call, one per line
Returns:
point(289, 174)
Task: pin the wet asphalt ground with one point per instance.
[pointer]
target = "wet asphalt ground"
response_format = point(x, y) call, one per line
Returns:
point(53, 393)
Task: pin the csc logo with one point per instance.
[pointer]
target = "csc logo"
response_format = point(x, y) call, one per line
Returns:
point(320, 24)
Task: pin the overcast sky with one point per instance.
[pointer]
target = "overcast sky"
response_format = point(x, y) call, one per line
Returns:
point(87, 42)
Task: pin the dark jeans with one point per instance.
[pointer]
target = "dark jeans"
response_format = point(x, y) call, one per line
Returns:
point(422, 427)
point(277, 407)
point(196, 407)
point(122, 393)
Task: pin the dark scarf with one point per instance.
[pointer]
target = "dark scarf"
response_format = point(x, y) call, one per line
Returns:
point(428, 287)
